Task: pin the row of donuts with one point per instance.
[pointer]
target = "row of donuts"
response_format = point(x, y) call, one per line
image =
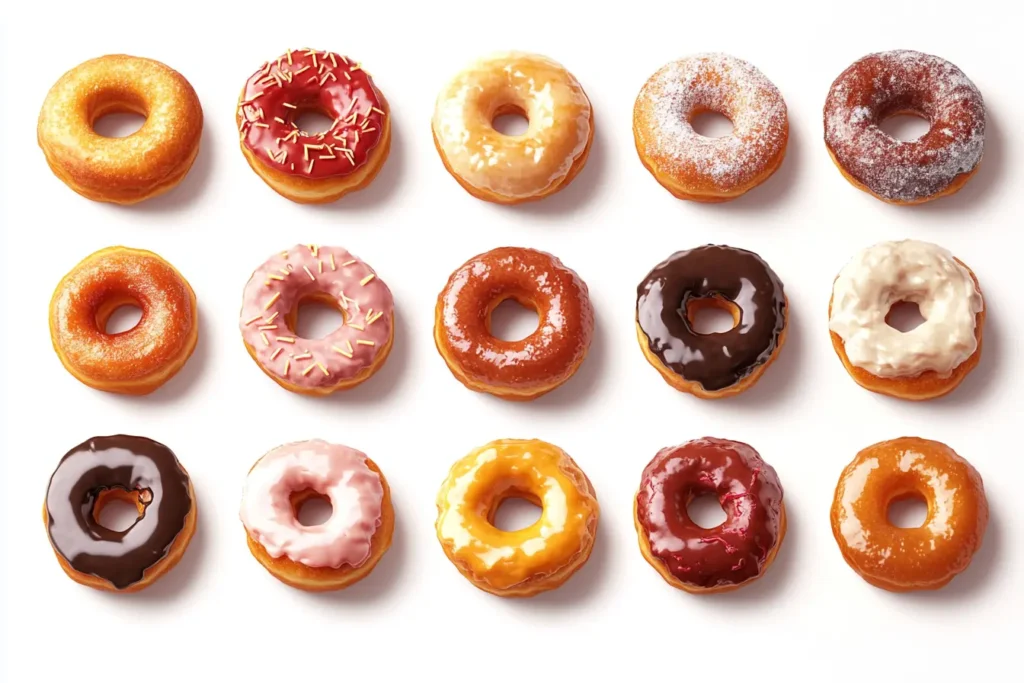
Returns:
point(343, 549)
point(322, 167)
point(922, 363)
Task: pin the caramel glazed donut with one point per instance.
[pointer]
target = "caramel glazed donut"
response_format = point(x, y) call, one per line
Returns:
point(337, 552)
point(125, 170)
point(923, 558)
point(719, 364)
point(520, 563)
point(313, 167)
point(514, 370)
point(509, 169)
point(887, 84)
point(703, 169)
point(138, 360)
point(132, 469)
point(932, 359)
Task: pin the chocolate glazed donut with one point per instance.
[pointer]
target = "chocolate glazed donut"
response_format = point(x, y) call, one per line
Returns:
point(731, 555)
point(131, 468)
point(721, 363)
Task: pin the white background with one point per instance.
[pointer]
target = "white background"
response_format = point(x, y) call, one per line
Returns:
point(220, 614)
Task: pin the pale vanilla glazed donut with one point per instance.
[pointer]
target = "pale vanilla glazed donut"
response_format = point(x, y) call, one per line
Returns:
point(924, 362)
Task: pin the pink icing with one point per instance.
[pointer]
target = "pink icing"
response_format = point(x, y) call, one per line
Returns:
point(338, 472)
point(305, 270)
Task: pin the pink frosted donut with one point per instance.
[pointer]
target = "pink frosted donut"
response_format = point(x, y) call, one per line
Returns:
point(326, 556)
point(344, 358)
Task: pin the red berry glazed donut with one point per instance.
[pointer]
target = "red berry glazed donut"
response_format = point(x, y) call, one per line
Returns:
point(886, 84)
point(313, 168)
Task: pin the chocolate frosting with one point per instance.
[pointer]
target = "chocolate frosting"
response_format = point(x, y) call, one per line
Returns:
point(721, 359)
point(747, 488)
point(130, 463)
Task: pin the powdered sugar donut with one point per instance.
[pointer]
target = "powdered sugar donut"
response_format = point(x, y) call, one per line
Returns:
point(327, 556)
point(885, 84)
point(331, 275)
point(692, 166)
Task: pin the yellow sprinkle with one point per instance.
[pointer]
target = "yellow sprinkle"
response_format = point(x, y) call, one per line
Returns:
point(348, 263)
point(347, 77)
point(279, 119)
point(377, 110)
point(290, 106)
point(323, 370)
point(273, 317)
point(305, 356)
point(286, 340)
point(367, 279)
point(250, 321)
point(289, 53)
point(373, 318)
point(365, 342)
point(277, 353)
point(333, 267)
point(311, 162)
point(270, 302)
point(369, 130)
point(333, 61)
point(298, 71)
point(287, 364)
point(259, 124)
point(314, 60)
point(356, 326)
point(267, 327)
point(308, 370)
point(263, 336)
point(309, 273)
point(342, 352)
point(275, 277)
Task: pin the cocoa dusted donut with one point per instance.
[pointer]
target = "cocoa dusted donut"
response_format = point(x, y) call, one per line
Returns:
point(719, 364)
point(514, 370)
point(886, 84)
point(735, 553)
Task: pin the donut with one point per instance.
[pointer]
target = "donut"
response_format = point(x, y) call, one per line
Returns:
point(928, 361)
point(514, 370)
point(346, 357)
point(719, 364)
point(922, 558)
point(521, 563)
point(733, 554)
point(340, 551)
point(141, 359)
point(313, 168)
point(509, 169)
point(887, 84)
point(133, 469)
point(699, 168)
point(150, 161)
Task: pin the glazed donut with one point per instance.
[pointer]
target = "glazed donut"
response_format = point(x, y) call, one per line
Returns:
point(150, 161)
point(719, 364)
point(331, 555)
point(731, 555)
point(703, 169)
point(330, 275)
point(514, 370)
point(509, 169)
point(923, 558)
point(887, 84)
point(313, 168)
point(132, 469)
point(532, 560)
point(138, 360)
point(928, 361)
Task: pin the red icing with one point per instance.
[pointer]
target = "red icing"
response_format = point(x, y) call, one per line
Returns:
point(310, 80)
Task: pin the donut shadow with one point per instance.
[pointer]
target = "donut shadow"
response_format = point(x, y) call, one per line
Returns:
point(192, 186)
point(382, 188)
point(185, 575)
point(781, 378)
point(177, 387)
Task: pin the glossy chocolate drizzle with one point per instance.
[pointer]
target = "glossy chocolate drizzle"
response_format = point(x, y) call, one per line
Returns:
point(721, 359)
point(747, 488)
point(130, 463)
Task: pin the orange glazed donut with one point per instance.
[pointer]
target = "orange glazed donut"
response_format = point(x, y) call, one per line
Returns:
point(703, 169)
point(313, 167)
point(138, 360)
point(924, 558)
point(509, 169)
point(124, 170)
point(514, 370)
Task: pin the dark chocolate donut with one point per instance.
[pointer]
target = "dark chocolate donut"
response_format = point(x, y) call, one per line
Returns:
point(719, 360)
point(129, 463)
point(747, 488)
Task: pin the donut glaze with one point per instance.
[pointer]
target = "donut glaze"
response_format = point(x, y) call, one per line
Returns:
point(331, 275)
point(530, 367)
point(885, 84)
point(730, 555)
point(923, 558)
point(131, 468)
point(722, 363)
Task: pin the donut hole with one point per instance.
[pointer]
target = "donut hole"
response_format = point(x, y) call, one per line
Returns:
point(311, 508)
point(117, 509)
point(711, 124)
point(712, 315)
point(904, 316)
point(510, 120)
point(705, 511)
point(313, 121)
point(515, 513)
point(317, 316)
point(513, 320)
point(908, 511)
point(118, 314)
point(118, 124)
point(905, 126)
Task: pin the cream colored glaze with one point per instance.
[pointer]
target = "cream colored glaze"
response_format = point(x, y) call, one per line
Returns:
point(911, 271)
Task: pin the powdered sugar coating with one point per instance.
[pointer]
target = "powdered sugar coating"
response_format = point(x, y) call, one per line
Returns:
point(714, 82)
point(887, 83)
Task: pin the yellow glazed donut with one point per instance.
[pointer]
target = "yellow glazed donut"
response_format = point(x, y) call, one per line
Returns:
point(532, 560)
point(509, 169)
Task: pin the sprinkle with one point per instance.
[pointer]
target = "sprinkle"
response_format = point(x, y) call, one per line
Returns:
point(373, 318)
point(289, 55)
point(357, 136)
point(277, 352)
point(270, 302)
point(284, 271)
point(342, 352)
point(351, 106)
point(274, 277)
point(347, 77)
point(321, 69)
point(377, 110)
point(319, 266)
point(263, 336)
point(306, 148)
point(365, 342)
point(364, 124)
point(313, 249)
point(298, 71)
point(273, 317)
point(369, 130)
point(351, 118)
point(311, 162)
point(279, 119)
point(308, 370)
point(323, 370)
point(309, 273)
point(293, 165)
point(260, 124)
point(333, 267)
point(253, 98)
point(357, 67)
point(356, 326)
point(250, 321)
point(287, 364)
point(312, 78)
point(267, 327)
point(304, 356)
point(344, 59)
point(265, 68)
point(289, 105)
point(314, 60)
point(367, 279)
point(286, 340)
point(348, 263)
point(349, 345)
